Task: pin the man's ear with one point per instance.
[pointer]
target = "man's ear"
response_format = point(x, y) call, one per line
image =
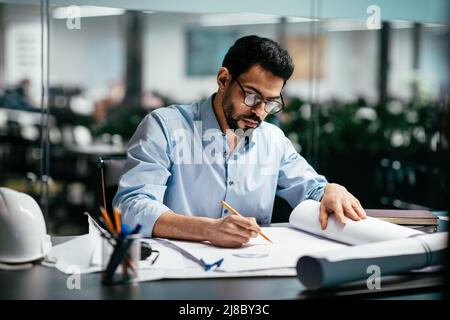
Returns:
point(223, 78)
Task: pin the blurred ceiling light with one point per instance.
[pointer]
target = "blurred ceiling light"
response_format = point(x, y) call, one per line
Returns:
point(226, 19)
point(86, 11)
point(331, 25)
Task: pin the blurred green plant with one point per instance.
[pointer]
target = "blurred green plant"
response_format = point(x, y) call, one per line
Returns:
point(359, 127)
point(122, 121)
point(124, 118)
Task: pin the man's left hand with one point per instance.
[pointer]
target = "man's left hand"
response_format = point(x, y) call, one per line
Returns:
point(338, 201)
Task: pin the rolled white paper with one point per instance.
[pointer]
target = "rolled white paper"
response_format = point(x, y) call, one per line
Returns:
point(351, 264)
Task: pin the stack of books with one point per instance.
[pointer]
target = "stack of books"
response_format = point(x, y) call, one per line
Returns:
point(422, 220)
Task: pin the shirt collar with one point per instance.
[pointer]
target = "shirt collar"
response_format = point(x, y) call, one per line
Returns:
point(207, 115)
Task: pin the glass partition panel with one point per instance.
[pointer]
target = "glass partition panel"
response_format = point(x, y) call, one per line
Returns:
point(22, 126)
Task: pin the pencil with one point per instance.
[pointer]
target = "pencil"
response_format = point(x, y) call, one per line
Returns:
point(109, 223)
point(117, 220)
point(226, 205)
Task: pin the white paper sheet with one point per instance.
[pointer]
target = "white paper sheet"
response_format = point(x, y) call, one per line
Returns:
point(157, 274)
point(288, 245)
point(74, 256)
point(167, 259)
point(408, 246)
point(80, 255)
point(306, 217)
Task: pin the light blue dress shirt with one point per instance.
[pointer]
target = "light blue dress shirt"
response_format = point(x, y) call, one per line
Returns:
point(178, 161)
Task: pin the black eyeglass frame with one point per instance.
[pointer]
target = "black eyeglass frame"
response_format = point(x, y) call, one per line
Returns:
point(260, 99)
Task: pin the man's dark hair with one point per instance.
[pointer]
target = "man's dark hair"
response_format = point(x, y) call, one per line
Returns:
point(253, 50)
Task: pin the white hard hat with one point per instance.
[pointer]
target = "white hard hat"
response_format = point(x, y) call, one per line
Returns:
point(23, 235)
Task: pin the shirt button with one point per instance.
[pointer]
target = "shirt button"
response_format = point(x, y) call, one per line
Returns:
point(230, 183)
point(225, 211)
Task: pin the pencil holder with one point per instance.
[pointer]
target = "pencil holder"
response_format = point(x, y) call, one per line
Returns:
point(107, 250)
point(123, 263)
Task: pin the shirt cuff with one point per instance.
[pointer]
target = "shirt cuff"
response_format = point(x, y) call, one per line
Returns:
point(144, 213)
point(318, 192)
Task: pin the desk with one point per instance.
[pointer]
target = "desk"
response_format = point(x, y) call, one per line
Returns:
point(44, 283)
point(40, 282)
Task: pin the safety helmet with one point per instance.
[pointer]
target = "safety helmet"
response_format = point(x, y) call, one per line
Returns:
point(23, 235)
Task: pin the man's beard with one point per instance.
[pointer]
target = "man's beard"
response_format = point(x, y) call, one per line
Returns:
point(232, 120)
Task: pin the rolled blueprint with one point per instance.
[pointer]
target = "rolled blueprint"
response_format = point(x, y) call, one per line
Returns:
point(351, 264)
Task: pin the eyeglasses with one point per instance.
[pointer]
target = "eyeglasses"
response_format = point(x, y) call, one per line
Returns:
point(253, 99)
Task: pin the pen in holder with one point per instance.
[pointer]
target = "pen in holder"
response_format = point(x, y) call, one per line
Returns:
point(123, 265)
point(122, 250)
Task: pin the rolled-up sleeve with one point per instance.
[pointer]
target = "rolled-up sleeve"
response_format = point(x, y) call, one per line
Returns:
point(146, 171)
point(297, 180)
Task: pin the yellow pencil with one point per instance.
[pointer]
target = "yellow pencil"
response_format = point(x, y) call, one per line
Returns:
point(226, 205)
point(109, 223)
point(117, 220)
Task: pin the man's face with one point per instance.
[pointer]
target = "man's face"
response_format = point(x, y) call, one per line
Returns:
point(255, 80)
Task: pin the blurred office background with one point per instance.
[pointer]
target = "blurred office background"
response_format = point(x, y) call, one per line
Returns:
point(367, 105)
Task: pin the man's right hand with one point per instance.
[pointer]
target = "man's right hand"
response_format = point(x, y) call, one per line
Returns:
point(230, 232)
point(233, 231)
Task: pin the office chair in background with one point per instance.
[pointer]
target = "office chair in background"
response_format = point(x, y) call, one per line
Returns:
point(110, 172)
